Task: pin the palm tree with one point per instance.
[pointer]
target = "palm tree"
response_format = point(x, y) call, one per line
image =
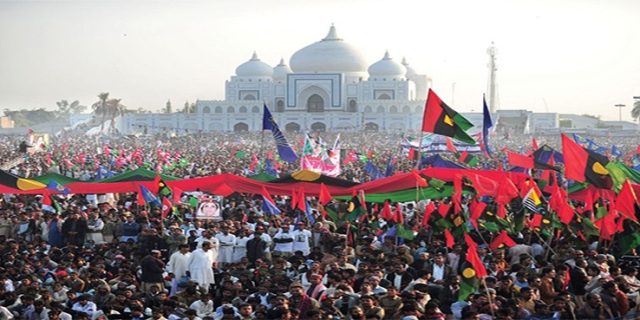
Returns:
point(115, 108)
point(100, 107)
point(635, 112)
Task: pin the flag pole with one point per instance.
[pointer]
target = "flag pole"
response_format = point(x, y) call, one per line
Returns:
point(419, 150)
point(262, 134)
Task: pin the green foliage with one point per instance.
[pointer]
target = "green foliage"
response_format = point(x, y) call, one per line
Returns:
point(26, 117)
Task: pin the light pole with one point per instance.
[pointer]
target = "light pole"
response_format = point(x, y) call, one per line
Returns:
point(620, 106)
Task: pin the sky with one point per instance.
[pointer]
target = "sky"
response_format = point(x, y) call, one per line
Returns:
point(567, 56)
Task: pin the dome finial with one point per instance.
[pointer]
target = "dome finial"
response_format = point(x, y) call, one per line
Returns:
point(281, 62)
point(254, 57)
point(332, 35)
point(386, 55)
point(404, 61)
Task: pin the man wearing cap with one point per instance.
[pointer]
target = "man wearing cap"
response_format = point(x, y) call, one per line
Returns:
point(152, 268)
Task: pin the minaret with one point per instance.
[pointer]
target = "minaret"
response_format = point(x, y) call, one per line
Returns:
point(492, 52)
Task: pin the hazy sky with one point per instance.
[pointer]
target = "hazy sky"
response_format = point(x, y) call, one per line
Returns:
point(570, 56)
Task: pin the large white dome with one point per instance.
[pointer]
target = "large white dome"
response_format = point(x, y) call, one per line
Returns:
point(254, 68)
point(331, 54)
point(387, 67)
point(281, 70)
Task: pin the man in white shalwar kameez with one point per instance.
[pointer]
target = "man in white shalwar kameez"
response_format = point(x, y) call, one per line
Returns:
point(178, 262)
point(200, 266)
point(226, 240)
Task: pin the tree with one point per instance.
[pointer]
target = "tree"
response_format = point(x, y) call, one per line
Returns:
point(192, 108)
point(167, 108)
point(100, 107)
point(635, 112)
point(186, 107)
point(65, 108)
point(106, 107)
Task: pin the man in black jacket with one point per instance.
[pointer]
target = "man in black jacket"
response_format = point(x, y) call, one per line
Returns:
point(152, 268)
point(256, 246)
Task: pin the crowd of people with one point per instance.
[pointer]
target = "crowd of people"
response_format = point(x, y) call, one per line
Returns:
point(122, 260)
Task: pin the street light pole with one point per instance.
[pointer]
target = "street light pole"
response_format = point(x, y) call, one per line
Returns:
point(620, 106)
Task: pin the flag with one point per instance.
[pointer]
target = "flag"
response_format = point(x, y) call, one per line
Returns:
point(615, 151)
point(148, 196)
point(532, 201)
point(502, 239)
point(308, 213)
point(439, 118)
point(390, 168)
point(58, 188)
point(449, 239)
point(473, 258)
point(167, 206)
point(431, 207)
point(486, 125)
point(354, 209)
point(325, 196)
point(268, 205)
point(626, 203)
point(163, 189)
point(451, 147)
point(284, 149)
point(468, 159)
point(385, 213)
point(518, 160)
point(585, 165)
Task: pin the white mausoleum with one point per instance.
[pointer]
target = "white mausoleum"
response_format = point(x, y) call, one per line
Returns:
point(327, 85)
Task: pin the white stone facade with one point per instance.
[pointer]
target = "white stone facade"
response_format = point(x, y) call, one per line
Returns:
point(328, 87)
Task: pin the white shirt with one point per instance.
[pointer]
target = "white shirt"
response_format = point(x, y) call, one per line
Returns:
point(301, 241)
point(438, 272)
point(178, 264)
point(202, 309)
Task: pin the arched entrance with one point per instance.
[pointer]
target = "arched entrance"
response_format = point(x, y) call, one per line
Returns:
point(240, 127)
point(292, 127)
point(370, 126)
point(318, 126)
point(315, 103)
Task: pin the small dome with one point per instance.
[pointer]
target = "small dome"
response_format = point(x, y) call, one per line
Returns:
point(331, 54)
point(410, 72)
point(281, 70)
point(254, 68)
point(387, 68)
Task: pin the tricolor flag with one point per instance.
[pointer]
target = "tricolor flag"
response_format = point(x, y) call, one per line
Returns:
point(439, 118)
point(268, 205)
point(532, 201)
point(585, 165)
point(284, 149)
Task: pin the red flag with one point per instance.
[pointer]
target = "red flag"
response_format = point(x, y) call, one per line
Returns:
point(463, 156)
point(46, 199)
point(420, 181)
point(506, 191)
point(294, 199)
point(140, 199)
point(484, 186)
point(398, 217)
point(473, 258)
point(431, 207)
point(534, 144)
point(386, 211)
point(475, 211)
point(450, 146)
point(584, 164)
point(302, 201)
point(412, 154)
point(502, 238)
point(566, 213)
point(607, 225)
point(626, 201)
point(536, 221)
point(518, 160)
point(443, 209)
point(457, 193)
point(449, 239)
point(325, 196)
point(176, 194)
point(166, 207)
